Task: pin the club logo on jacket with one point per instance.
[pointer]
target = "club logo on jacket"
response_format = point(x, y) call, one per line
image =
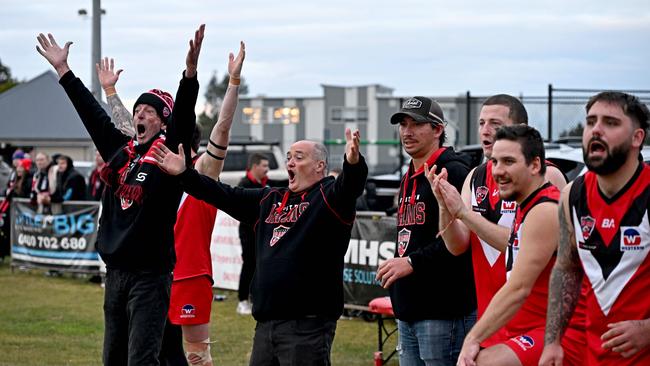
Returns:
point(630, 239)
point(587, 224)
point(403, 239)
point(481, 194)
point(125, 203)
point(278, 233)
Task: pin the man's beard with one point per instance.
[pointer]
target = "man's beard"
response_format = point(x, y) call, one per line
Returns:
point(612, 161)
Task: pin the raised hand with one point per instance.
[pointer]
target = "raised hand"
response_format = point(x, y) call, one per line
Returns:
point(173, 164)
point(352, 141)
point(235, 64)
point(431, 175)
point(105, 71)
point(192, 59)
point(53, 53)
point(434, 180)
point(453, 200)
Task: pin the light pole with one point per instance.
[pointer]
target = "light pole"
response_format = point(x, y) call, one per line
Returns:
point(96, 54)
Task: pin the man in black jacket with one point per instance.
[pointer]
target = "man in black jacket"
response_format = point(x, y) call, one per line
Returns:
point(136, 233)
point(302, 234)
point(432, 291)
point(258, 166)
point(70, 185)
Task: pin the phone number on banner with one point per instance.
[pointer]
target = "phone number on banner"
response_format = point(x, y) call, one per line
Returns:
point(52, 242)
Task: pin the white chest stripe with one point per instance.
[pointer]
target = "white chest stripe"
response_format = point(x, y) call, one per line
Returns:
point(490, 253)
point(515, 250)
point(473, 194)
point(607, 291)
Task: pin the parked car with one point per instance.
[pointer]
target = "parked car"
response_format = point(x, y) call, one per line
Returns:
point(234, 168)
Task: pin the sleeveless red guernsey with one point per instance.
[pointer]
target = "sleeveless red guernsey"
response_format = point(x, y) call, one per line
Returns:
point(532, 313)
point(613, 239)
point(488, 262)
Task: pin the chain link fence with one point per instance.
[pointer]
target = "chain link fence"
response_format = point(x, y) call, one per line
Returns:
point(558, 116)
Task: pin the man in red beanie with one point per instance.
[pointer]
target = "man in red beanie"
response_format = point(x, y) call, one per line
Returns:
point(136, 235)
point(191, 297)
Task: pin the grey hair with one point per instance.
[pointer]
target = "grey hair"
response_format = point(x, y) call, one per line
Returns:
point(320, 153)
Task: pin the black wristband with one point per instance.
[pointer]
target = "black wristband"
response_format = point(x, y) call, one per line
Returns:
point(217, 146)
point(213, 155)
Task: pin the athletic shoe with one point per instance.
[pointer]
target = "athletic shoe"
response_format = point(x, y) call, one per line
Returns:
point(244, 308)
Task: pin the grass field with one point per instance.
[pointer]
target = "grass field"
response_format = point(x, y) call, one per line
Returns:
point(59, 321)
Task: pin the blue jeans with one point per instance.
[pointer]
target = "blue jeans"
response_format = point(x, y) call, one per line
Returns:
point(432, 342)
point(135, 310)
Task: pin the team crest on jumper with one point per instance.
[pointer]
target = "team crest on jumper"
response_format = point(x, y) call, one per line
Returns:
point(278, 233)
point(403, 238)
point(125, 203)
point(481, 193)
point(587, 224)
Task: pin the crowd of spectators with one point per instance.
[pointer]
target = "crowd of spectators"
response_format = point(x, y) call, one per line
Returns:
point(46, 181)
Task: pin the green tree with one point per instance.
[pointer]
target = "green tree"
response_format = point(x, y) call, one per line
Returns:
point(6, 80)
point(214, 94)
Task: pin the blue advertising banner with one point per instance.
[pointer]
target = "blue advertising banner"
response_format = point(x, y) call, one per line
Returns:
point(64, 241)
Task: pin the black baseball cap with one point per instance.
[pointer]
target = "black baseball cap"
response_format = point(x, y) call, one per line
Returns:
point(421, 109)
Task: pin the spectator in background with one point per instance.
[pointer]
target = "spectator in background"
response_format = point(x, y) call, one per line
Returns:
point(95, 184)
point(18, 186)
point(70, 185)
point(43, 182)
point(17, 157)
point(23, 183)
point(256, 170)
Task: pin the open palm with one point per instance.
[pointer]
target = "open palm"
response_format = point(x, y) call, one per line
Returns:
point(235, 63)
point(56, 55)
point(173, 164)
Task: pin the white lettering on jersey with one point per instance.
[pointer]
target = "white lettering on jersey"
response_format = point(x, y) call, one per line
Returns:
point(607, 223)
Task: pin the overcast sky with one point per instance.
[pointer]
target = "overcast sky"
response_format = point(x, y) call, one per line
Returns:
point(416, 47)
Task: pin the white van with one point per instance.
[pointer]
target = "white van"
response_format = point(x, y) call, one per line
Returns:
point(234, 168)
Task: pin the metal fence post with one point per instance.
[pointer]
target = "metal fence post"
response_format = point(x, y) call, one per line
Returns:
point(550, 112)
